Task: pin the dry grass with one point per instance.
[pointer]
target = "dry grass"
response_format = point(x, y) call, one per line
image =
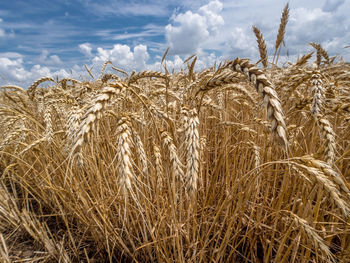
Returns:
point(231, 164)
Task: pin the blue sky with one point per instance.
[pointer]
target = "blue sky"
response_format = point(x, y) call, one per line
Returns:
point(56, 38)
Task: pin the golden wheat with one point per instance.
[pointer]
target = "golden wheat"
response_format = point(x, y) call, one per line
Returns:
point(178, 166)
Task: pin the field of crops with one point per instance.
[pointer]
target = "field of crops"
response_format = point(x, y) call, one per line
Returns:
point(239, 162)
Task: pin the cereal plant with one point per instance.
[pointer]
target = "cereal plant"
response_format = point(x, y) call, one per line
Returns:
point(239, 162)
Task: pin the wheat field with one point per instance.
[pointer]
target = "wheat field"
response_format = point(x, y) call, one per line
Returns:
point(239, 162)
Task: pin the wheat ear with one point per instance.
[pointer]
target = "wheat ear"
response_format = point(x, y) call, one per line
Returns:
point(174, 159)
point(92, 114)
point(125, 171)
point(329, 171)
point(261, 45)
point(191, 122)
point(281, 31)
point(318, 93)
point(321, 179)
point(104, 68)
point(312, 234)
point(269, 95)
point(140, 151)
point(146, 74)
point(223, 78)
point(329, 136)
point(48, 123)
point(320, 53)
point(301, 61)
point(32, 88)
point(159, 166)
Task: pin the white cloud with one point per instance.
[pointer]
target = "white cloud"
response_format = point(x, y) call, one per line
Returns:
point(45, 59)
point(176, 63)
point(187, 36)
point(316, 25)
point(13, 70)
point(241, 43)
point(55, 59)
point(85, 48)
point(43, 56)
point(123, 56)
point(211, 13)
point(10, 55)
point(190, 30)
point(127, 59)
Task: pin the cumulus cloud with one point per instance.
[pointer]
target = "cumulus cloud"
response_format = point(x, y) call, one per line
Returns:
point(190, 30)
point(123, 56)
point(211, 13)
point(240, 43)
point(85, 48)
point(188, 35)
point(55, 59)
point(176, 63)
point(45, 59)
point(316, 25)
point(14, 71)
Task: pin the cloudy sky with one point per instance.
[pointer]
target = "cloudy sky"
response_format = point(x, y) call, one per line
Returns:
point(57, 37)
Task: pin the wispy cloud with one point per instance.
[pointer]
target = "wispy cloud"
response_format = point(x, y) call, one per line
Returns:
point(3, 32)
point(142, 34)
point(128, 8)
